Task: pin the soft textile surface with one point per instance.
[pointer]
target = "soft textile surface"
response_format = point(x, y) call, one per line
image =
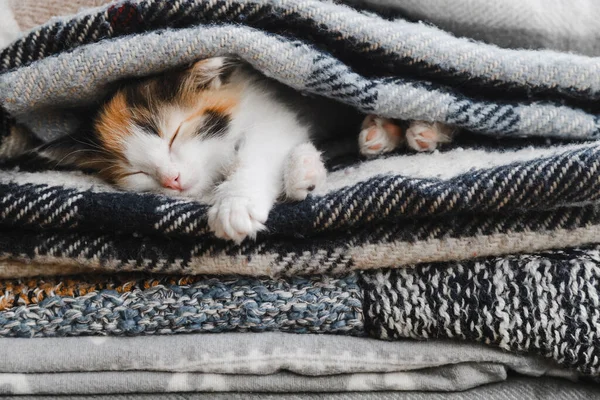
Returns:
point(565, 25)
point(30, 13)
point(514, 388)
point(369, 45)
point(388, 220)
point(9, 28)
point(121, 305)
point(492, 193)
point(266, 362)
point(474, 199)
point(544, 303)
point(548, 303)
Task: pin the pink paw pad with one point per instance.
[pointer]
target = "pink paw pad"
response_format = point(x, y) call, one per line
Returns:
point(426, 136)
point(379, 135)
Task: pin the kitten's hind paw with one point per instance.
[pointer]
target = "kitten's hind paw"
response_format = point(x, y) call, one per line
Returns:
point(378, 136)
point(426, 136)
point(304, 172)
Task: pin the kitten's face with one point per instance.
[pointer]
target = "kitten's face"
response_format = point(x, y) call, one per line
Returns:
point(172, 133)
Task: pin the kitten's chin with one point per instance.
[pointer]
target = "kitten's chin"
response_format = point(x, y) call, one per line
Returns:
point(196, 193)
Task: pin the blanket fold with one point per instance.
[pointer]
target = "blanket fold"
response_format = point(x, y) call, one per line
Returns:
point(251, 362)
point(429, 51)
point(569, 26)
point(546, 303)
point(515, 387)
point(475, 198)
point(370, 215)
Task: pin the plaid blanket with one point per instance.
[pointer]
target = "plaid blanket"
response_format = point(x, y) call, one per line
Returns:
point(524, 177)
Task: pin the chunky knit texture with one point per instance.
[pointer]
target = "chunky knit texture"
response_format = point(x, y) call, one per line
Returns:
point(136, 306)
point(546, 303)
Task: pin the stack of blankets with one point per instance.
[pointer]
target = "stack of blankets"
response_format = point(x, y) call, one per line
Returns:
point(474, 268)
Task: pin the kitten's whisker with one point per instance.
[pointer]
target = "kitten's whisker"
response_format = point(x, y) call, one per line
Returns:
point(92, 145)
point(69, 155)
point(108, 168)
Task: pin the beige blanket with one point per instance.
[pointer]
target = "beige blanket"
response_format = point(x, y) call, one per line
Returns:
point(31, 13)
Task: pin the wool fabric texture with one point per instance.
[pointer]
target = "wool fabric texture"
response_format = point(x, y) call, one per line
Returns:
point(564, 25)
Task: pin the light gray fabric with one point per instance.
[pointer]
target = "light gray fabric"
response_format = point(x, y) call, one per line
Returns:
point(564, 25)
point(448, 378)
point(38, 95)
point(251, 362)
point(516, 388)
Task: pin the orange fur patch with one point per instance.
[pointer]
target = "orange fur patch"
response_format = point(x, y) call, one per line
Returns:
point(113, 123)
point(217, 101)
point(112, 127)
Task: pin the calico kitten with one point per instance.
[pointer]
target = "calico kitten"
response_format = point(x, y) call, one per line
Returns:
point(222, 133)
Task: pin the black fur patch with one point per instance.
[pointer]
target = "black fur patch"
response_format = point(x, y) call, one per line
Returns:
point(226, 72)
point(148, 125)
point(135, 96)
point(167, 88)
point(224, 75)
point(214, 126)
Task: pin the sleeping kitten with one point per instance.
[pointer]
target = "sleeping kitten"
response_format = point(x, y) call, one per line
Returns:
point(222, 133)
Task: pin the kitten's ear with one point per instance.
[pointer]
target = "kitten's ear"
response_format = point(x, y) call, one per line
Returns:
point(212, 73)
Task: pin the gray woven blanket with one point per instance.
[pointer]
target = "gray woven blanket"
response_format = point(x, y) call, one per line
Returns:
point(515, 387)
point(565, 25)
point(253, 362)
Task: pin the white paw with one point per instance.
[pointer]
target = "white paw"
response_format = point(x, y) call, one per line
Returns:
point(426, 136)
point(378, 136)
point(304, 172)
point(237, 217)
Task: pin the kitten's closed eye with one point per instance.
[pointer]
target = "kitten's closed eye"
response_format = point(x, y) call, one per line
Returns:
point(135, 173)
point(174, 137)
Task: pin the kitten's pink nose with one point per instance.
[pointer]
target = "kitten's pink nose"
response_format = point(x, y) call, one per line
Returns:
point(172, 182)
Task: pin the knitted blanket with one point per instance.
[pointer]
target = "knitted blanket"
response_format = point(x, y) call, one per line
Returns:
point(482, 196)
point(545, 304)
